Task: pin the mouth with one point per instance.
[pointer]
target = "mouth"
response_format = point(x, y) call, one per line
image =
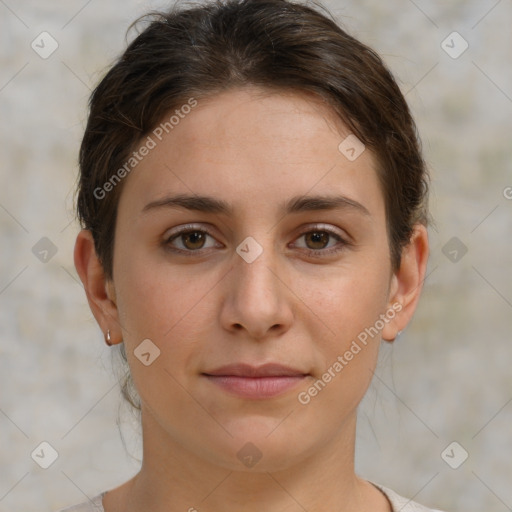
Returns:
point(256, 382)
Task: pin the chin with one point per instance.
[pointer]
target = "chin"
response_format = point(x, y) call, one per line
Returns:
point(257, 446)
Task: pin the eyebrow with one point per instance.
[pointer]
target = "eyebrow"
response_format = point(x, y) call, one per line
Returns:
point(296, 204)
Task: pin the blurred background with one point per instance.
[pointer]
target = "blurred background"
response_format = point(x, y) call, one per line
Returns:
point(436, 424)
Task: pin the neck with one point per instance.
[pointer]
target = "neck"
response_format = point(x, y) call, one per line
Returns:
point(173, 478)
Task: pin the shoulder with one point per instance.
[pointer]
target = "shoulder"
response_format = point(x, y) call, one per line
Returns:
point(402, 504)
point(399, 503)
point(93, 505)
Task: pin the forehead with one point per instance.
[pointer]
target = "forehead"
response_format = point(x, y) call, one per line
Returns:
point(251, 146)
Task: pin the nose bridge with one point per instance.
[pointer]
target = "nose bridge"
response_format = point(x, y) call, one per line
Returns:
point(257, 299)
point(256, 267)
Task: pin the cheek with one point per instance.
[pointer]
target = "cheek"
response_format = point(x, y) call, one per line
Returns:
point(347, 300)
point(155, 296)
point(165, 306)
point(351, 308)
point(172, 307)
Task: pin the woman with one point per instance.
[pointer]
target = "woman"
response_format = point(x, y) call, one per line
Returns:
point(253, 198)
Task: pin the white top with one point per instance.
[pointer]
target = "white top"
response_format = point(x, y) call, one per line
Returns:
point(398, 503)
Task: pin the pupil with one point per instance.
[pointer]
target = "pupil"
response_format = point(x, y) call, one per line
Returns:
point(195, 237)
point(319, 237)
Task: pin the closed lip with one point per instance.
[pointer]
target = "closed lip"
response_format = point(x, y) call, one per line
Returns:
point(250, 371)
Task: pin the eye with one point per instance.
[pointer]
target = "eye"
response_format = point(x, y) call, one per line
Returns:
point(317, 242)
point(189, 239)
point(321, 242)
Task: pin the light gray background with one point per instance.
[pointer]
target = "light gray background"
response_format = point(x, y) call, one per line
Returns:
point(446, 379)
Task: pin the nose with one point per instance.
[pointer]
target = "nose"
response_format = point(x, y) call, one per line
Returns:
point(257, 298)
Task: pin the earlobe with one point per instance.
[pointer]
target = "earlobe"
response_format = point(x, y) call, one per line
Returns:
point(99, 290)
point(407, 282)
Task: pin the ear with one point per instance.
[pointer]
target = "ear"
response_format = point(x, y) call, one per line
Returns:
point(407, 282)
point(100, 291)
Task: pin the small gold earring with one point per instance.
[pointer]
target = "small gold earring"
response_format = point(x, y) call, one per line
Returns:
point(108, 338)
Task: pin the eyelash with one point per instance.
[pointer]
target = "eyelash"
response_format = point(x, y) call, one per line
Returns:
point(342, 243)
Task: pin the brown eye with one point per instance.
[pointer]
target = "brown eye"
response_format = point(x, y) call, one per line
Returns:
point(321, 242)
point(317, 239)
point(189, 241)
point(193, 239)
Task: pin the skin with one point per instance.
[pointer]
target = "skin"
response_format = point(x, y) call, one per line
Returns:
point(255, 150)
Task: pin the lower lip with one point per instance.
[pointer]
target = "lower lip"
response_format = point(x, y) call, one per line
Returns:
point(256, 387)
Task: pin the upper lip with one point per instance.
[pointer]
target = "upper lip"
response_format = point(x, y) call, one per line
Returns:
point(265, 370)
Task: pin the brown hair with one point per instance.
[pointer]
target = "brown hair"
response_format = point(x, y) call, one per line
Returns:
point(201, 50)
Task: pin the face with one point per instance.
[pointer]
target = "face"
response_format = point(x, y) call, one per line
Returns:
point(274, 254)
